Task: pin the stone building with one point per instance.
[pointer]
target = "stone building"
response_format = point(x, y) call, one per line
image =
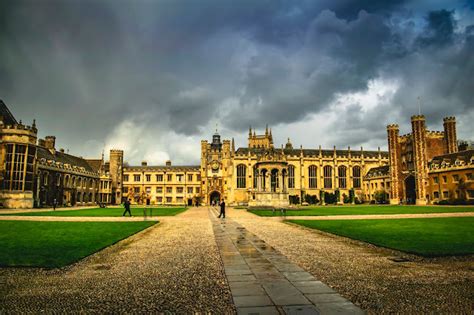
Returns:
point(416, 159)
point(162, 185)
point(34, 173)
point(261, 174)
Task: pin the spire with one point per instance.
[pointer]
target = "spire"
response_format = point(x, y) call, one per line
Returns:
point(250, 131)
point(266, 130)
point(34, 123)
point(233, 145)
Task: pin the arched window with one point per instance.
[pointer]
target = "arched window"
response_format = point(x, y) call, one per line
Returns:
point(356, 176)
point(241, 173)
point(342, 174)
point(312, 176)
point(274, 180)
point(327, 176)
point(255, 177)
point(291, 176)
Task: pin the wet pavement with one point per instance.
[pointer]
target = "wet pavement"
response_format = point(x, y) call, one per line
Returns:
point(263, 281)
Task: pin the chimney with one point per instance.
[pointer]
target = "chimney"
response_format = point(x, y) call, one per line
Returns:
point(168, 163)
point(144, 163)
point(50, 142)
point(42, 143)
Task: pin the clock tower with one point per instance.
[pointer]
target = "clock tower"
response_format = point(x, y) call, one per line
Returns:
point(216, 169)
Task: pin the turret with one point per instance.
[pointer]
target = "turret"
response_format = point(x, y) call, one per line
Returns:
point(116, 172)
point(393, 150)
point(419, 150)
point(450, 139)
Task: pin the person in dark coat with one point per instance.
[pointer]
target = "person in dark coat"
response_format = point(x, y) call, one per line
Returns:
point(222, 210)
point(126, 205)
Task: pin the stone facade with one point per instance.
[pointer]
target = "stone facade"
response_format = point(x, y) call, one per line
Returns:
point(422, 157)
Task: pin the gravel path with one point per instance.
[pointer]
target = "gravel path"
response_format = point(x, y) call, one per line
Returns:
point(172, 267)
point(366, 275)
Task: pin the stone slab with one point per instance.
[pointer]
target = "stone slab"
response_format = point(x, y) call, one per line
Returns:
point(265, 310)
point(252, 300)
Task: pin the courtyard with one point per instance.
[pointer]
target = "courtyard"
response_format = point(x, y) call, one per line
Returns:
point(194, 262)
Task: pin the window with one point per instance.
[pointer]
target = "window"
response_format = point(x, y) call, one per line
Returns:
point(169, 199)
point(179, 199)
point(198, 190)
point(341, 173)
point(435, 179)
point(445, 195)
point(179, 177)
point(136, 178)
point(241, 173)
point(327, 176)
point(148, 177)
point(169, 190)
point(170, 177)
point(356, 176)
point(435, 195)
point(159, 177)
point(255, 177)
point(19, 167)
point(148, 190)
point(136, 190)
point(125, 190)
point(190, 190)
point(445, 180)
point(455, 178)
point(470, 194)
point(159, 199)
point(159, 190)
point(125, 178)
point(312, 177)
point(291, 176)
point(198, 177)
point(190, 177)
point(179, 190)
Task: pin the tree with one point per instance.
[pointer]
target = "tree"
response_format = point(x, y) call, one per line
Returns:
point(381, 196)
point(352, 196)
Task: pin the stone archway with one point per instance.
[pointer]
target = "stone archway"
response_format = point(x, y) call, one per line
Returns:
point(215, 197)
point(410, 189)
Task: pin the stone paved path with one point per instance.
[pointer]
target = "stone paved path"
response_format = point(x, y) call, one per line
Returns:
point(263, 281)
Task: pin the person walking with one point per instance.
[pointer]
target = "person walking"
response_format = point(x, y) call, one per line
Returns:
point(126, 205)
point(55, 202)
point(222, 209)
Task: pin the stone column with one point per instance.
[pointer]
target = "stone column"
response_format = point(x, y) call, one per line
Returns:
point(280, 181)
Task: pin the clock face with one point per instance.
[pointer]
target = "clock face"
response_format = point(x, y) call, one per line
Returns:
point(215, 165)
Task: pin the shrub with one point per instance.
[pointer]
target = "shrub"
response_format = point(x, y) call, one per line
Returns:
point(294, 199)
point(330, 198)
point(311, 199)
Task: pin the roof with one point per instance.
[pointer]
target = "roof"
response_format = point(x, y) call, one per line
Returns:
point(378, 171)
point(8, 118)
point(315, 152)
point(64, 158)
point(96, 164)
point(163, 168)
point(462, 156)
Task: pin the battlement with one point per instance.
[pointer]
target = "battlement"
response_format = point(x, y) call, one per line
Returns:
point(450, 119)
point(20, 126)
point(393, 127)
point(418, 118)
point(435, 133)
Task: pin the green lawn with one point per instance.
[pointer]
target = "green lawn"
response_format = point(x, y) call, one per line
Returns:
point(426, 237)
point(57, 244)
point(363, 210)
point(105, 212)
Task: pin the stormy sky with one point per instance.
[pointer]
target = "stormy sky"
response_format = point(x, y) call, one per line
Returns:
point(155, 77)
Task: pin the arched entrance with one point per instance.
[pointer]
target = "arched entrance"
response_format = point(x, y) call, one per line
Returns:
point(214, 198)
point(410, 189)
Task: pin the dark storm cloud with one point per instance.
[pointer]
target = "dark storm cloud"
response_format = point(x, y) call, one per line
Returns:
point(90, 71)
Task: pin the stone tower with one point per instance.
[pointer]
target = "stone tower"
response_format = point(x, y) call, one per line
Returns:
point(450, 141)
point(394, 153)
point(420, 163)
point(116, 172)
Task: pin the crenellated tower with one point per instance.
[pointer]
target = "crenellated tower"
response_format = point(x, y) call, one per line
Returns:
point(116, 175)
point(450, 139)
point(394, 158)
point(420, 162)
